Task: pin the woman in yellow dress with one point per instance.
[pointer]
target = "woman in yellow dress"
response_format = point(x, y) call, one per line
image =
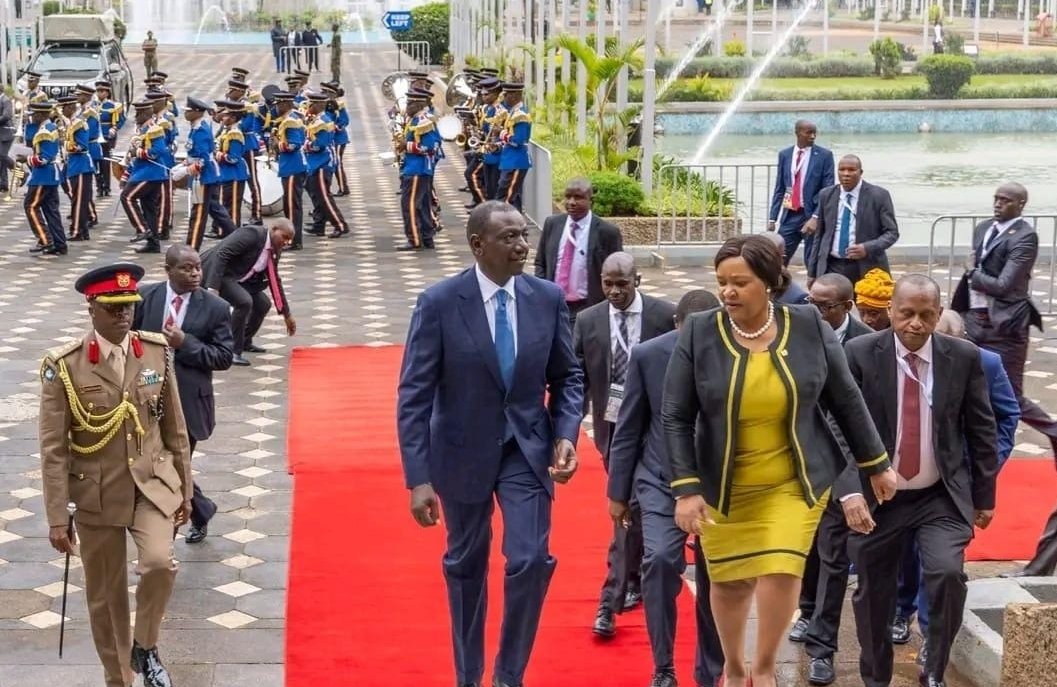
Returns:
point(747, 395)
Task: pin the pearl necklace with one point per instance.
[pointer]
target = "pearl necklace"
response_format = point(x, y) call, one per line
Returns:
point(759, 332)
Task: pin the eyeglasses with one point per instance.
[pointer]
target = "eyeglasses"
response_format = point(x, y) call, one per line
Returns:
point(826, 307)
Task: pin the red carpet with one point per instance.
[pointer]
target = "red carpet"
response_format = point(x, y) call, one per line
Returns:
point(1026, 491)
point(366, 603)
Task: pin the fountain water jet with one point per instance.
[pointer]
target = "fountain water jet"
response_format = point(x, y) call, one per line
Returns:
point(712, 34)
point(750, 84)
point(213, 9)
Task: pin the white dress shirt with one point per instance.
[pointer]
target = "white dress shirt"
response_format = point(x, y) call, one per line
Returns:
point(634, 321)
point(262, 259)
point(979, 299)
point(842, 330)
point(929, 472)
point(578, 274)
point(854, 205)
point(805, 160)
point(488, 291)
point(178, 317)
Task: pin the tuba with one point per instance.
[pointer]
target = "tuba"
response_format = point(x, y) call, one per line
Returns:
point(459, 93)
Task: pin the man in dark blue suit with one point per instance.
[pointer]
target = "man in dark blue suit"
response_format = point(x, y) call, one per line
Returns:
point(489, 408)
point(197, 325)
point(804, 169)
point(638, 463)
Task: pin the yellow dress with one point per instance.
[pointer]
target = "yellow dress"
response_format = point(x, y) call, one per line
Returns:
point(770, 527)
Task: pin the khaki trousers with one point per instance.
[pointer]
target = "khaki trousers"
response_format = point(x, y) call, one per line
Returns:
point(105, 561)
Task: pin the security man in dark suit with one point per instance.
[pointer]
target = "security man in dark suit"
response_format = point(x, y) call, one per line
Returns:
point(573, 246)
point(197, 326)
point(928, 397)
point(856, 225)
point(241, 269)
point(603, 337)
point(639, 468)
point(994, 297)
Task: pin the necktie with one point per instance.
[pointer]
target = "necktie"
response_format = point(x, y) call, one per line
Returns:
point(910, 422)
point(795, 202)
point(504, 339)
point(988, 240)
point(619, 372)
point(845, 227)
point(565, 271)
point(117, 363)
point(177, 301)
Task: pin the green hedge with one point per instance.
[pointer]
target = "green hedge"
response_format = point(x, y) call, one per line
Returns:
point(1016, 64)
point(428, 23)
point(741, 67)
point(946, 74)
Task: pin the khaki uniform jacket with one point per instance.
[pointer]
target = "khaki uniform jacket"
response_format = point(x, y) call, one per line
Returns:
point(103, 483)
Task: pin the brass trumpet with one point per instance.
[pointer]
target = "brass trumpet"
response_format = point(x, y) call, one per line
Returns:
point(18, 175)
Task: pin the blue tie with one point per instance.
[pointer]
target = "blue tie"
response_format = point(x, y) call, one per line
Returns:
point(504, 340)
point(845, 227)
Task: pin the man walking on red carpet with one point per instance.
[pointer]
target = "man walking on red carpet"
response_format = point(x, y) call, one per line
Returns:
point(489, 408)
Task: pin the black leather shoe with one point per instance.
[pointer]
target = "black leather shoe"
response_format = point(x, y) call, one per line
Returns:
point(149, 248)
point(196, 534)
point(929, 681)
point(147, 663)
point(337, 234)
point(316, 232)
point(632, 598)
point(137, 238)
point(496, 682)
point(408, 247)
point(55, 250)
point(664, 678)
point(900, 630)
point(252, 348)
point(799, 631)
point(239, 360)
point(214, 235)
point(605, 625)
point(821, 671)
point(39, 248)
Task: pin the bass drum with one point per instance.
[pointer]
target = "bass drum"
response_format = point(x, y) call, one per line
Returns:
point(271, 191)
point(181, 177)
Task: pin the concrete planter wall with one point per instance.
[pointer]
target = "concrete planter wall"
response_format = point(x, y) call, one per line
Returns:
point(642, 231)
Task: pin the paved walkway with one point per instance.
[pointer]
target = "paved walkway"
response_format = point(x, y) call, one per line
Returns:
point(226, 619)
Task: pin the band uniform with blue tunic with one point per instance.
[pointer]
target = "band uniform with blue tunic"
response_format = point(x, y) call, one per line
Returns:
point(89, 112)
point(514, 160)
point(319, 155)
point(113, 441)
point(42, 197)
point(421, 145)
point(111, 119)
point(230, 149)
point(78, 168)
point(144, 177)
point(205, 175)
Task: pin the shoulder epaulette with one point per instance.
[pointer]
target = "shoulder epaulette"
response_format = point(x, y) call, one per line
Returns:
point(237, 135)
point(520, 117)
point(45, 134)
point(54, 354)
point(424, 128)
point(152, 337)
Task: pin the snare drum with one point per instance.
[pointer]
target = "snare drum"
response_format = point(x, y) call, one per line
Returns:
point(180, 173)
point(271, 191)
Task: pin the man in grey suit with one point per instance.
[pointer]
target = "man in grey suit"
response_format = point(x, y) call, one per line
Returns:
point(603, 337)
point(573, 247)
point(7, 136)
point(639, 468)
point(856, 225)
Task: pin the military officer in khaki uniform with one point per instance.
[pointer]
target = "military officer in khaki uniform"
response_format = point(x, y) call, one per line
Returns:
point(113, 442)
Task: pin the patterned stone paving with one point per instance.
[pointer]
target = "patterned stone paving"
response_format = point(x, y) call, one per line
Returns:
point(225, 621)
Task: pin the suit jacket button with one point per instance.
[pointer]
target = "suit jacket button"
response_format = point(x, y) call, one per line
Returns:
point(131, 461)
point(80, 476)
point(91, 405)
point(498, 442)
point(128, 437)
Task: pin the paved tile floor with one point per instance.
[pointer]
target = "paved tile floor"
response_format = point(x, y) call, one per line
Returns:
point(225, 621)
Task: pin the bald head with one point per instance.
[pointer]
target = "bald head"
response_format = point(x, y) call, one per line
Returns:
point(1009, 201)
point(619, 263)
point(805, 133)
point(177, 252)
point(914, 284)
point(951, 324)
point(841, 285)
point(776, 238)
point(620, 280)
point(1017, 191)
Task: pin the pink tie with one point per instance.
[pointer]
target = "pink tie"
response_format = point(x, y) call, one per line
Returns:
point(177, 301)
point(565, 272)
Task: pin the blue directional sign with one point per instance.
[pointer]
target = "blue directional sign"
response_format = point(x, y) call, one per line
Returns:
point(397, 21)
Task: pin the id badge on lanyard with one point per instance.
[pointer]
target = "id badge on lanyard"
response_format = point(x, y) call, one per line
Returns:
point(616, 391)
point(925, 385)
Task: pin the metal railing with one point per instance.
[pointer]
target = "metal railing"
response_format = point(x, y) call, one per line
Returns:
point(706, 204)
point(416, 51)
point(290, 57)
point(951, 251)
point(537, 195)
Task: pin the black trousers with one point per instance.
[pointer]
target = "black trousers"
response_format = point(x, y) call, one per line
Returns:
point(474, 176)
point(313, 58)
point(5, 164)
point(42, 210)
point(489, 176)
point(832, 582)
point(202, 507)
point(231, 199)
point(253, 185)
point(102, 173)
point(416, 207)
point(809, 582)
point(324, 209)
point(339, 171)
point(80, 205)
point(249, 306)
point(510, 183)
point(142, 203)
point(209, 207)
point(624, 559)
point(165, 216)
point(848, 268)
point(293, 192)
point(1045, 559)
point(930, 517)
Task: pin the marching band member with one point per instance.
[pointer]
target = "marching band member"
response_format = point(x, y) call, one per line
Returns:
point(90, 113)
point(164, 119)
point(514, 162)
point(145, 177)
point(422, 143)
point(206, 172)
point(78, 167)
point(42, 197)
point(485, 181)
point(341, 133)
point(251, 124)
point(111, 119)
point(319, 154)
point(231, 143)
point(288, 139)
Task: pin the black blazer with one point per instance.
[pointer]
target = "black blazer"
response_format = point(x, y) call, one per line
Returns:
point(875, 227)
point(592, 342)
point(207, 347)
point(235, 255)
point(963, 423)
point(855, 329)
point(1005, 275)
point(603, 240)
point(702, 398)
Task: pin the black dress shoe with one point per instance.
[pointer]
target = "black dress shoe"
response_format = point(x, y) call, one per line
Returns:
point(408, 247)
point(253, 348)
point(196, 534)
point(900, 630)
point(214, 235)
point(39, 248)
point(149, 248)
point(821, 671)
point(147, 663)
point(239, 360)
point(137, 238)
point(664, 678)
point(930, 681)
point(496, 682)
point(316, 232)
point(54, 250)
point(799, 631)
point(605, 625)
point(464, 189)
point(337, 234)
point(470, 206)
point(632, 598)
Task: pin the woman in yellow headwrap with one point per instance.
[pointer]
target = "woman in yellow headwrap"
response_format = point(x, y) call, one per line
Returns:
point(873, 293)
